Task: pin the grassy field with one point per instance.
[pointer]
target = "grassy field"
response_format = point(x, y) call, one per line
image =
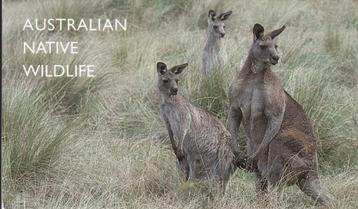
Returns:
point(100, 143)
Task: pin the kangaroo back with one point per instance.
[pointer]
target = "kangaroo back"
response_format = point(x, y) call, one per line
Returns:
point(296, 117)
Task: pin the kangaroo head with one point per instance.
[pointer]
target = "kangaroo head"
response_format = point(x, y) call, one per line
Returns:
point(216, 25)
point(264, 47)
point(169, 78)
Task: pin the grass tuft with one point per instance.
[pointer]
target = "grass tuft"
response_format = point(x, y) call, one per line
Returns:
point(212, 93)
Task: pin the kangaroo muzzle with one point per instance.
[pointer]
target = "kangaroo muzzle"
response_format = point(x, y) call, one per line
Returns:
point(274, 59)
point(174, 91)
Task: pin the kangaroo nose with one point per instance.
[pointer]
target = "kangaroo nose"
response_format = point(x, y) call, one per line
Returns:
point(222, 35)
point(274, 59)
point(174, 90)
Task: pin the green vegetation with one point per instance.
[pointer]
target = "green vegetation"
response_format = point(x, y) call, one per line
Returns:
point(100, 143)
point(212, 93)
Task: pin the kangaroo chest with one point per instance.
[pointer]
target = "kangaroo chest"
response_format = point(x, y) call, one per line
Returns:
point(214, 54)
point(178, 118)
point(213, 57)
point(251, 98)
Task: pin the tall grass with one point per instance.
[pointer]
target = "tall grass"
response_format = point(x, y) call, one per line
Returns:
point(120, 157)
point(31, 136)
point(212, 93)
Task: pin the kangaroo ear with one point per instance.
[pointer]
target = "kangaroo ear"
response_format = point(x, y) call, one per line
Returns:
point(179, 68)
point(225, 15)
point(258, 31)
point(212, 15)
point(277, 32)
point(161, 68)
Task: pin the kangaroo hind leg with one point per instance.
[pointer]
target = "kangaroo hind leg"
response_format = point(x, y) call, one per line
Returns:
point(312, 187)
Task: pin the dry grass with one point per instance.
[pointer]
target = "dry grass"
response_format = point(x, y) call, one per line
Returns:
point(116, 153)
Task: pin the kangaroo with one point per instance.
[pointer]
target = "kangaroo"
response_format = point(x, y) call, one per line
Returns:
point(200, 141)
point(280, 135)
point(213, 57)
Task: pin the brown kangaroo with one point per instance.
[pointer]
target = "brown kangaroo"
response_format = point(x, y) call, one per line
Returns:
point(200, 141)
point(280, 135)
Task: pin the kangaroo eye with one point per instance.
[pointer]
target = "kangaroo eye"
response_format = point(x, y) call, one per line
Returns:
point(177, 81)
point(263, 46)
point(165, 81)
point(224, 27)
point(215, 27)
point(276, 46)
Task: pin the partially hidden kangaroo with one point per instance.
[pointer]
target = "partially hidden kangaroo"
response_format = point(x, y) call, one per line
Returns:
point(200, 141)
point(213, 55)
point(280, 135)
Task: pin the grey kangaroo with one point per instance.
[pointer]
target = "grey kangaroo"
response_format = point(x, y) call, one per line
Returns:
point(280, 135)
point(213, 56)
point(200, 141)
